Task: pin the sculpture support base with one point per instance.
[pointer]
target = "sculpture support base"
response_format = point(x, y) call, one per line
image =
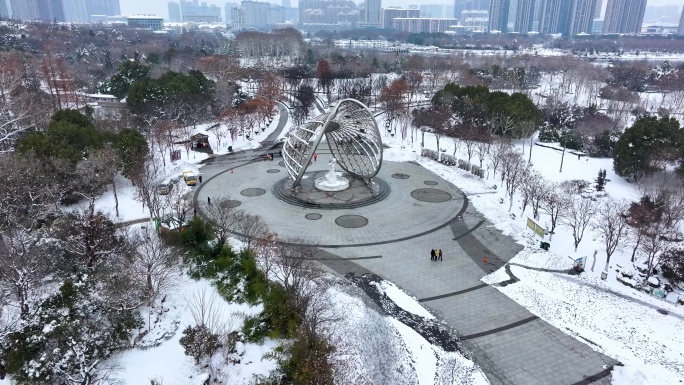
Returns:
point(324, 184)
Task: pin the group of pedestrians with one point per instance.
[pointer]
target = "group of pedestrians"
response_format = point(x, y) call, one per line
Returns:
point(436, 255)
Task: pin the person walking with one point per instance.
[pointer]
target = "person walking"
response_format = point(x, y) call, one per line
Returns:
point(315, 156)
point(439, 253)
point(200, 178)
point(208, 200)
point(432, 255)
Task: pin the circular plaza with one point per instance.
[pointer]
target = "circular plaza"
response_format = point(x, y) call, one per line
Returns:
point(403, 201)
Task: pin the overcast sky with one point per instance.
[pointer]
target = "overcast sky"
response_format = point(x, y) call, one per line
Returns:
point(160, 8)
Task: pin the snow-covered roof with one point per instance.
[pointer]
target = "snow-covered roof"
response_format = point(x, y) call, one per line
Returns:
point(145, 17)
point(101, 96)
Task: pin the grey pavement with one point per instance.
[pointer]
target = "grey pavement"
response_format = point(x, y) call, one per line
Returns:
point(510, 344)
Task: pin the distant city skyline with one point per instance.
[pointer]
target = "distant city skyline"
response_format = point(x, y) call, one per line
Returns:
point(160, 7)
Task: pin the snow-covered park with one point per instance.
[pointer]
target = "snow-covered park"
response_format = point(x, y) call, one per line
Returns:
point(636, 328)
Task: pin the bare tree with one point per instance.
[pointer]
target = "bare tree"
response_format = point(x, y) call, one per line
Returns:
point(223, 216)
point(146, 182)
point(554, 204)
point(514, 171)
point(251, 229)
point(154, 263)
point(482, 148)
point(205, 311)
point(612, 225)
point(496, 153)
point(530, 189)
point(579, 214)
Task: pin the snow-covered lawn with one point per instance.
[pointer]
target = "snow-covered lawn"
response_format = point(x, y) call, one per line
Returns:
point(609, 316)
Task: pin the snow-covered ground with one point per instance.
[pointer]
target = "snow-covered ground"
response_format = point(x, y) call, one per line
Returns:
point(371, 347)
point(168, 362)
point(612, 318)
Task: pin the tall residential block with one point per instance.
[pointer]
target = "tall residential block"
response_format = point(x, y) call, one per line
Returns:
point(24, 9)
point(469, 5)
point(681, 23)
point(597, 9)
point(75, 11)
point(103, 7)
point(624, 16)
point(228, 11)
point(498, 15)
point(373, 8)
point(237, 17)
point(4, 12)
point(550, 16)
point(524, 16)
point(581, 17)
point(174, 12)
point(389, 14)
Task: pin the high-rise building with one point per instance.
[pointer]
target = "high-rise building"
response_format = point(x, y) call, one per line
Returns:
point(193, 12)
point(581, 17)
point(524, 16)
point(327, 11)
point(75, 11)
point(373, 12)
point(287, 4)
point(550, 16)
point(568, 17)
point(49, 10)
point(423, 24)
point(4, 12)
point(498, 15)
point(238, 18)
point(389, 14)
point(174, 12)
point(469, 5)
point(103, 7)
point(433, 10)
point(681, 23)
point(256, 13)
point(24, 9)
point(598, 9)
point(624, 16)
point(228, 11)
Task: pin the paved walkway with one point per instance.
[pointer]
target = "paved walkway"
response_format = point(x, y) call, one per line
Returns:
point(511, 345)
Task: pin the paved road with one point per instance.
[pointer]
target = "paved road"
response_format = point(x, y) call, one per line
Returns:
point(511, 345)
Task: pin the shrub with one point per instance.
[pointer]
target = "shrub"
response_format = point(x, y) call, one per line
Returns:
point(305, 361)
point(278, 319)
point(199, 342)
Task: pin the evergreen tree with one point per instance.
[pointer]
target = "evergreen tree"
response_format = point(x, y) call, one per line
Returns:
point(601, 180)
point(645, 146)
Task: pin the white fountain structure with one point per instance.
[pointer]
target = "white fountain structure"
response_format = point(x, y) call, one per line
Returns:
point(331, 181)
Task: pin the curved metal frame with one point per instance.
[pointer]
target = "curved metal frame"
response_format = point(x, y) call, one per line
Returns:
point(352, 135)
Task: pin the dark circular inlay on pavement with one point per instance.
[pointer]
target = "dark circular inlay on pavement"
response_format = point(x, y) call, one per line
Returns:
point(272, 171)
point(431, 183)
point(313, 216)
point(431, 195)
point(360, 193)
point(351, 221)
point(252, 192)
point(400, 176)
point(229, 204)
point(281, 164)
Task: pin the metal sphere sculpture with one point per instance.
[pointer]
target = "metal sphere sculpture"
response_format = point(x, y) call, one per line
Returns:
point(352, 135)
